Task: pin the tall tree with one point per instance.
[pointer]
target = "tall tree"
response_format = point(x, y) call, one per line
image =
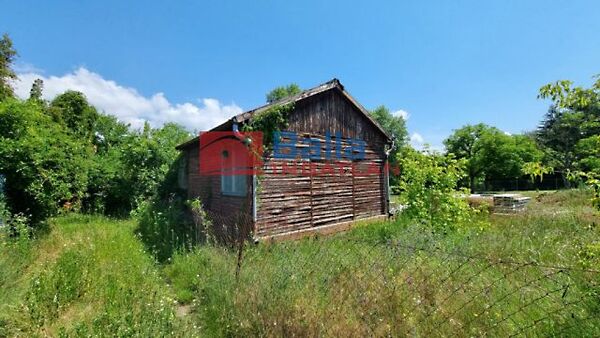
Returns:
point(570, 126)
point(490, 153)
point(7, 57)
point(283, 92)
point(73, 110)
point(463, 143)
point(395, 126)
point(35, 94)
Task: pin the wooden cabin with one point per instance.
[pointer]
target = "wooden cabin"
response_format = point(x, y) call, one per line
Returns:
point(284, 200)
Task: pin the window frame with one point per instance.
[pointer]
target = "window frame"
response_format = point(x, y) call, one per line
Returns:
point(238, 183)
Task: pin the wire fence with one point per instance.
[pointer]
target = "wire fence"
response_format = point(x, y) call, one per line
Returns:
point(395, 288)
point(550, 182)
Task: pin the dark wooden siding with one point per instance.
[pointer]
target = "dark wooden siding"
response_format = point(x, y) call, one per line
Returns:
point(331, 111)
point(300, 194)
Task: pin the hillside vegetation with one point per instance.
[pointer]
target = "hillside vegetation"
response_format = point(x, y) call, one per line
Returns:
point(90, 275)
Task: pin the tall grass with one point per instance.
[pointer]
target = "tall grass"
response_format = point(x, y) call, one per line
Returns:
point(401, 278)
point(89, 277)
point(92, 276)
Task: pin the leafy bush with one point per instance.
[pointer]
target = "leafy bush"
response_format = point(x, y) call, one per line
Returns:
point(428, 186)
point(164, 227)
point(56, 161)
point(45, 167)
point(269, 121)
point(3, 208)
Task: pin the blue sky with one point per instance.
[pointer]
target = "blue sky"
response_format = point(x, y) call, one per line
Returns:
point(446, 63)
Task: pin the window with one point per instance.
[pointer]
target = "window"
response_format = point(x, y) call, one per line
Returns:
point(182, 175)
point(231, 184)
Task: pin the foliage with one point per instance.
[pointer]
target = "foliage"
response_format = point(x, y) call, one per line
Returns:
point(91, 276)
point(569, 132)
point(428, 185)
point(587, 154)
point(46, 168)
point(591, 180)
point(92, 163)
point(149, 162)
point(502, 156)
point(594, 183)
point(7, 56)
point(269, 121)
point(3, 208)
point(72, 110)
point(463, 143)
point(201, 219)
point(491, 154)
point(282, 92)
point(536, 170)
point(36, 91)
point(164, 225)
point(395, 126)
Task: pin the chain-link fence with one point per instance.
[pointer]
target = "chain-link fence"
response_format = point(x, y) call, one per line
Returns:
point(551, 182)
point(351, 287)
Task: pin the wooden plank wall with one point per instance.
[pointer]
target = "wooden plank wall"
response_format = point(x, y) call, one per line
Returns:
point(296, 194)
point(298, 199)
point(300, 194)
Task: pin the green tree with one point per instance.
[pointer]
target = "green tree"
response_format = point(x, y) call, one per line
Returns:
point(36, 91)
point(148, 159)
point(490, 153)
point(568, 130)
point(587, 154)
point(283, 92)
point(464, 144)
point(73, 110)
point(107, 192)
point(7, 57)
point(395, 126)
point(428, 187)
point(502, 156)
point(392, 124)
point(46, 167)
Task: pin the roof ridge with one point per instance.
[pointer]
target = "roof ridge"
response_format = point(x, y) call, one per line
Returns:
point(333, 83)
point(289, 99)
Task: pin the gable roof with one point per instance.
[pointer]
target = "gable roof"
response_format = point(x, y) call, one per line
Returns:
point(333, 84)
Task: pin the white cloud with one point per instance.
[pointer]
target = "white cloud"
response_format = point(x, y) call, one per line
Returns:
point(24, 67)
point(127, 104)
point(417, 140)
point(402, 113)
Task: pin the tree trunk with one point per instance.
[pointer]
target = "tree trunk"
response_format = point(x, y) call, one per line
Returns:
point(566, 182)
point(472, 183)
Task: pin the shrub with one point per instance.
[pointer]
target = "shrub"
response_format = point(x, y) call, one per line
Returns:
point(45, 167)
point(201, 220)
point(428, 188)
point(163, 226)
